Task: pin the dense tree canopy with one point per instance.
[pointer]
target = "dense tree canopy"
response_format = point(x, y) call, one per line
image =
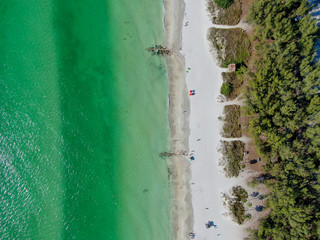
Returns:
point(282, 100)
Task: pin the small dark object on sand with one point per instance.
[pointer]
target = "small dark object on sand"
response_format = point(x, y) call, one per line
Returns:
point(253, 161)
point(254, 194)
point(259, 208)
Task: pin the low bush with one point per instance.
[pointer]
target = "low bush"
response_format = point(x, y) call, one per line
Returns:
point(231, 127)
point(225, 16)
point(226, 89)
point(232, 155)
point(224, 3)
point(234, 80)
point(235, 203)
point(230, 45)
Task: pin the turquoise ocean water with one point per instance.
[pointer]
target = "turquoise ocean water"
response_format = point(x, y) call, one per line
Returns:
point(84, 116)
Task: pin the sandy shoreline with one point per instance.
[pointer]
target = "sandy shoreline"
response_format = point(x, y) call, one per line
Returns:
point(196, 186)
point(182, 215)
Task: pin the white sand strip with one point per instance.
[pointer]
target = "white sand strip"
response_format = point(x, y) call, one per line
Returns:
point(241, 24)
point(182, 217)
point(243, 139)
point(208, 180)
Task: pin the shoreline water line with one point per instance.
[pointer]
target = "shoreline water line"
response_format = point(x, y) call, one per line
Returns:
point(179, 110)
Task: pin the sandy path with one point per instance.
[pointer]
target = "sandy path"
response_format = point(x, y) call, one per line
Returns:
point(241, 24)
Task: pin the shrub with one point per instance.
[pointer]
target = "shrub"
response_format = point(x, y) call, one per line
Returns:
point(235, 203)
point(253, 183)
point(226, 89)
point(232, 155)
point(224, 3)
point(225, 16)
point(239, 194)
point(235, 46)
point(235, 80)
point(231, 127)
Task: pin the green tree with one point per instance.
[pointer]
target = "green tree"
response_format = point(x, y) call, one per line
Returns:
point(283, 103)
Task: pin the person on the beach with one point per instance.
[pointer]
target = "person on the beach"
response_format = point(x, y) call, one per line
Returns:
point(192, 235)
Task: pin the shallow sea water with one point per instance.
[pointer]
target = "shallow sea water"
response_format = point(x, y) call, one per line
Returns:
point(84, 116)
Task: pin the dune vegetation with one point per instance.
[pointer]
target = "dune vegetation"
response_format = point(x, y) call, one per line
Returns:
point(220, 14)
point(230, 45)
point(232, 156)
point(235, 202)
point(231, 127)
point(232, 83)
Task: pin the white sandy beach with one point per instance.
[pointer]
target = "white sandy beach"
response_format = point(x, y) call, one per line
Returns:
point(196, 117)
point(207, 179)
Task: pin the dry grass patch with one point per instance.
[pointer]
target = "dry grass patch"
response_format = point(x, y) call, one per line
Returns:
point(232, 156)
point(230, 45)
point(236, 81)
point(235, 203)
point(231, 127)
point(225, 16)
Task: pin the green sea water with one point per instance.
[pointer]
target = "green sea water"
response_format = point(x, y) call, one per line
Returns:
point(84, 116)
